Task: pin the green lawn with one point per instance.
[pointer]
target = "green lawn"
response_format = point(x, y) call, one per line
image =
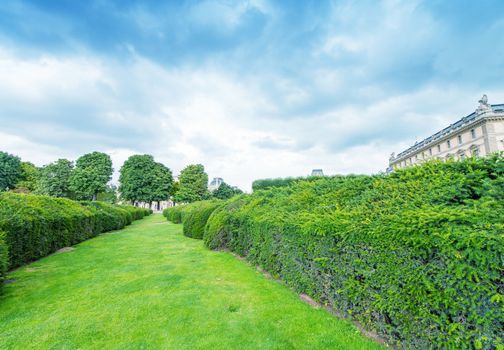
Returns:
point(149, 287)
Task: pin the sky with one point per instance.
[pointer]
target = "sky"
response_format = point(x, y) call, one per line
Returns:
point(250, 89)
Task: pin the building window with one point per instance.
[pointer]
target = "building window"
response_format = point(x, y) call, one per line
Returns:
point(416, 157)
point(430, 151)
point(448, 143)
point(462, 155)
point(459, 137)
point(473, 133)
point(475, 151)
point(439, 148)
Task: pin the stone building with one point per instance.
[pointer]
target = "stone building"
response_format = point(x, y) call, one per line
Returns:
point(317, 172)
point(478, 134)
point(215, 183)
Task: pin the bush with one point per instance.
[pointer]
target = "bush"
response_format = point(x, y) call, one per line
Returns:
point(416, 255)
point(174, 214)
point(196, 217)
point(36, 226)
point(3, 257)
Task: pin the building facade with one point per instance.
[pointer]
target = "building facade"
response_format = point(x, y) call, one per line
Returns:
point(215, 183)
point(478, 134)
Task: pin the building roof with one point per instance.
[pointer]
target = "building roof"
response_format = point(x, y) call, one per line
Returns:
point(448, 130)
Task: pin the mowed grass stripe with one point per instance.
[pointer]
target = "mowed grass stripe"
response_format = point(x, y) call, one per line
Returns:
point(149, 287)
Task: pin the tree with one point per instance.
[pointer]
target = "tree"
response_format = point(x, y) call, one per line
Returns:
point(29, 178)
point(54, 179)
point(161, 183)
point(109, 196)
point(91, 174)
point(10, 171)
point(144, 180)
point(193, 182)
point(225, 191)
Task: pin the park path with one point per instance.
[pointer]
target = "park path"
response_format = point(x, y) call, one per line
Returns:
point(149, 287)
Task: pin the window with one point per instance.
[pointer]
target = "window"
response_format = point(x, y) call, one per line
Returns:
point(416, 157)
point(473, 133)
point(475, 151)
point(439, 148)
point(459, 137)
point(430, 151)
point(448, 143)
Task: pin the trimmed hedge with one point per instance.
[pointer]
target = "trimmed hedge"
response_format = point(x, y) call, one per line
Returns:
point(416, 255)
point(193, 215)
point(174, 214)
point(37, 226)
point(3, 257)
point(196, 217)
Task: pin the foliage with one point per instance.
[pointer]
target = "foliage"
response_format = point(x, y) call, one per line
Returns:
point(196, 217)
point(142, 274)
point(144, 180)
point(193, 184)
point(91, 174)
point(416, 255)
point(36, 226)
point(175, 214)
point(10, 171)
point(264, 184)
point(109, 196)
point(54, 179)
point(4, 257)
point(29, 178)
point(225, 191)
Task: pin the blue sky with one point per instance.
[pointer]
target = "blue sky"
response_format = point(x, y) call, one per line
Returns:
point(250, 89)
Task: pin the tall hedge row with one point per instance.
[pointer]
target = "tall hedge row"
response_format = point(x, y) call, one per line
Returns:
point(194, 216)
point(3, 257)
point(417, 256)
point(36, 226)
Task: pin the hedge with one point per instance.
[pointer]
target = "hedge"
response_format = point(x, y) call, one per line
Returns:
point(417, 255)
point(36, 226)
point(193, 215)
point(196, 217)
point(3, 257)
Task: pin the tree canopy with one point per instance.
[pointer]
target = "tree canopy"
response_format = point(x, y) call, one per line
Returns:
point(91, 174)
point(29, 178)
point(226, 191)
point(143, 180)
point(54, 179)
point(10, 171)
point(193, 184)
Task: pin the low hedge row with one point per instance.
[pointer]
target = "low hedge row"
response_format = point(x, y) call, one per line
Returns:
point(194, 216)
point(416, 256)
point(36, 226)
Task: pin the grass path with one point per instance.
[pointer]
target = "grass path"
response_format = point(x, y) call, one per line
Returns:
point(149, 287)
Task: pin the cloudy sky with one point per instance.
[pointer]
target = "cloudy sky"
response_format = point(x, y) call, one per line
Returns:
point(251, 89)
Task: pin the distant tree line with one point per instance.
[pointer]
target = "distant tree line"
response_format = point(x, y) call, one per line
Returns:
point(142, 179)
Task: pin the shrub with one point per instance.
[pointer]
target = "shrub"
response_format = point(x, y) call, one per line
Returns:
point(36, 226)
point(174, 214)
point(196, 217)
point(3, 257)
point(416, 255)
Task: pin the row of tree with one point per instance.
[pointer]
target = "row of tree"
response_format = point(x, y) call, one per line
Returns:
point(142, 179)
point(84, 180)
